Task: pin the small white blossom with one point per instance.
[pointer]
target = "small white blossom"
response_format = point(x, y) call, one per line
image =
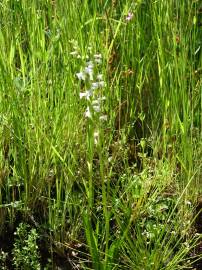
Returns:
point(95, 85)
point(82, 95)
point(89, 70)
point(110, 158)
point(98, 100)
point(74, 53)
point(88, 113)
point(101, 98)
point(96, 108)
point(98, 56)
point(96, 137)
point(188, 203)
point(86, 94)
point(95, 102)
point(98, 60)
point(89, 64)
point(81, 76)
point(101, 84)
point(100, 77)
point(103, 118)
point(90, 48)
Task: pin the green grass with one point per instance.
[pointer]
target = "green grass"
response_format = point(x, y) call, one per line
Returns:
point(118, 193)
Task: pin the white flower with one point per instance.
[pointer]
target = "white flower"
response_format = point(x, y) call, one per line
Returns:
point(89, 71)
point(188, 203)
point(101, 98)
point(101, 84)
point(90, 64)
point(81, 76)
point(88, 113)
point(86, 94)
point(74, 53)
point(90, 48)
point(98, 60)
point(81, 95)
point(96, 137)
point(97, 56)
point(96, 108)
point(110, 158)
point(103, 118)
point(95, 85)
point(96, 102)
point(99, 77)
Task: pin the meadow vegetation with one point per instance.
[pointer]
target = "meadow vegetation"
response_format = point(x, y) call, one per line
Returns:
point(100, 125)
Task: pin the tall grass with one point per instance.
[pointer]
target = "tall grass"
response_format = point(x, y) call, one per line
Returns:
point(115, 194)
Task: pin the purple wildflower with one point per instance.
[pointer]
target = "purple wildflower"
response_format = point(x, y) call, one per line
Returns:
point(129, 16)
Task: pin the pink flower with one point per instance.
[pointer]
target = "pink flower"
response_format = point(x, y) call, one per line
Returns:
point(129, 16)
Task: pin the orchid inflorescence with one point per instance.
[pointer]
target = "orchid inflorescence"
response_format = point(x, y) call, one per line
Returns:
point(94, 82)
